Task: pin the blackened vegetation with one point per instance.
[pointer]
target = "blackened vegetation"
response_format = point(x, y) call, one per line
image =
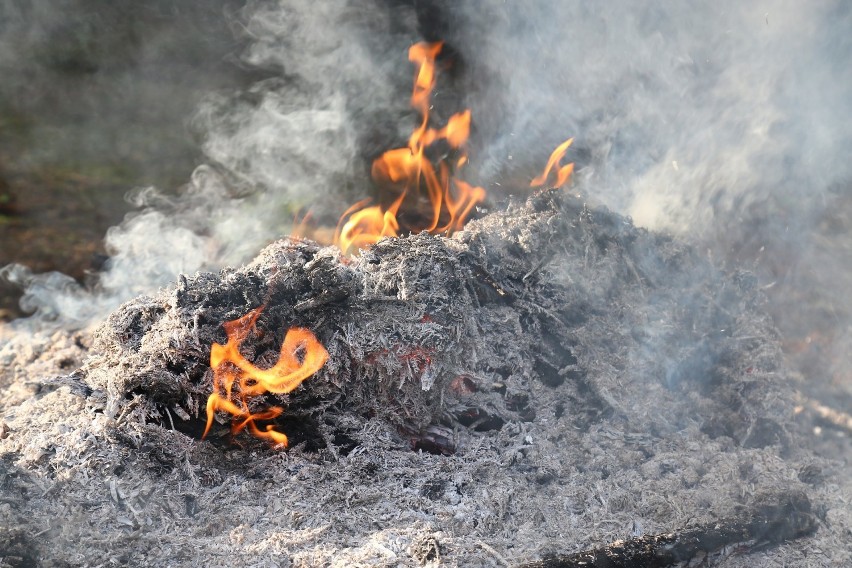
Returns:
point(401, 323)
point(508, 303)
point(771, 522)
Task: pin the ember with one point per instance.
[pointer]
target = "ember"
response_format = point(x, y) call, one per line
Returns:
point(236, 382)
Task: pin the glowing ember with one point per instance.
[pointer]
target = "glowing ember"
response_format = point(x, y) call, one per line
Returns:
point(438, 202)
point(236, 382)
point(562, 172)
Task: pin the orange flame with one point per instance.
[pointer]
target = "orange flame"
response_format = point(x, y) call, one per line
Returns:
point(448, 201)
point(236, 382)
point(562, 172)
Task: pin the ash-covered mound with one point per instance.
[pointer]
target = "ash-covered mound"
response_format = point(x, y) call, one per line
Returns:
point(563, 378)
point(548, 309)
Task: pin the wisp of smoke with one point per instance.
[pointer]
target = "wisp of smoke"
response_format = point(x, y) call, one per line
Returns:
point(285, 142)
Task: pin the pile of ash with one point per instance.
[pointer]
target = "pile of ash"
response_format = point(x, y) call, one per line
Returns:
point(549, 380)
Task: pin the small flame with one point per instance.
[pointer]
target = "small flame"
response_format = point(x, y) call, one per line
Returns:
point(236, 382)
point(407, 171)
point(562, 172)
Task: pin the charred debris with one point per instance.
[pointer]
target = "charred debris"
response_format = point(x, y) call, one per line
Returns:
point(497, 324)
point(545, 369)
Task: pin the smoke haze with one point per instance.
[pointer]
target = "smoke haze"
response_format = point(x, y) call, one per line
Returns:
point(726, 123)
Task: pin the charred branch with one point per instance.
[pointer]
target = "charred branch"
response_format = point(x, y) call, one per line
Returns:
point(777, 520)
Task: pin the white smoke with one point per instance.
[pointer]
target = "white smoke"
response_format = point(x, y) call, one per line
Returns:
point(725, 122)
point(687, 110)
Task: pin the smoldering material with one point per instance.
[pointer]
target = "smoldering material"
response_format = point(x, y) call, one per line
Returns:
point(502, 302)
point(586, 383)
point(513, 297)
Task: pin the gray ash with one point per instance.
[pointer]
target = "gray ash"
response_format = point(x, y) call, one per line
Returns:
point(550, 379)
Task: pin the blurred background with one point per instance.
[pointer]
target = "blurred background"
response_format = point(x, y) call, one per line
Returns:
point(96, 98)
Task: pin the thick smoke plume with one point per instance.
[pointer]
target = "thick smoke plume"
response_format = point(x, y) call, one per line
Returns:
point(725, 123)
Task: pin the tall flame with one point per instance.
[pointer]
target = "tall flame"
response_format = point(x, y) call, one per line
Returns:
point(236, 382)
point(447, 200)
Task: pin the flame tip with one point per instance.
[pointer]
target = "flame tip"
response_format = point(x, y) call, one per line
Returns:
point(563, 173)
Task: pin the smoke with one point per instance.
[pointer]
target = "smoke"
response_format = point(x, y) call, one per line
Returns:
point(300, 135)
point(725, 123)
point(334, 87)
point(683, 113)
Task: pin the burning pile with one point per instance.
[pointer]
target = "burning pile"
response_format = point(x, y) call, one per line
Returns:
point(548, 342)
point(426, 330)
point(413, 184)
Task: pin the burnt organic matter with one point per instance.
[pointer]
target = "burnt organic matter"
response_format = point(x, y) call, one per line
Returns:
point(549, 379)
